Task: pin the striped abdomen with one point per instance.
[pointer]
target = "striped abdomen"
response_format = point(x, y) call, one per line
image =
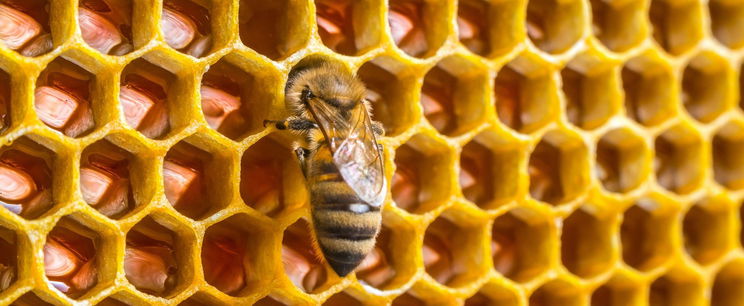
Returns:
point(345, 226)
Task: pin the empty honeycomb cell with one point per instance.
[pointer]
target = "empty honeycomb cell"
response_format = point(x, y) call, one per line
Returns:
point(727, 284)
point(554, 26)
point(5, 102)
point(676, 25)
point(525, 95)
point(619, 290)
point(705, 229)
point(408, 299)
point(728, 166)
point(388, 266)
point(30, 299)
point(348, 27)
point(587, 80)
point(647, 84)
point(452, 95)
point(147, 98)
point(489, 170)
point(193, 174)
point(155, 256)
point(28, 30)
point(558, 168)
point(342, 299)
point(275, 29)
point(677, 287)
point(415, 25)
point(454, 262)
point(726, 21)
point(73, 254)
point(706, 87)
point(26, 176)
point(106, 25)
point(422, 296)
point(202, 298)
point(622, 160)
point(486, 27)
point(679, 159)
point(418, 184)
point(619, 24)
point(106, 173)
point(64, 96)
point(520, 244)
point(646, 234)
point(186, 26)
point(233, 96)
point(586, 242)
point(302, 262)
point(234, 256)
point(270, 178)
point(389, 87)
point(8, 258)
point(493, 294)
point(557, 293)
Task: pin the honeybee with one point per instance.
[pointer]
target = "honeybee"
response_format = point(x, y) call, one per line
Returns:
point(340, 158)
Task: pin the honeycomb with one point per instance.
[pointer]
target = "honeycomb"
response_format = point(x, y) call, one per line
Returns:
point(540, 152)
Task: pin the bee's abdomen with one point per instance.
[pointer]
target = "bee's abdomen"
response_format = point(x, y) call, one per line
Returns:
point(345, 226)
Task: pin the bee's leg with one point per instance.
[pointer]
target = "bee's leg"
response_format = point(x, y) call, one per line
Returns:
point(293, 123)
point(302, 154)
point(378, 129)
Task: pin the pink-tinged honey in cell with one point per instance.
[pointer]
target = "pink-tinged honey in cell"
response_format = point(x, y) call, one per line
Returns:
point(150, 268)
point(144, 106)
point(217, 105)
point(23, 33)
point(181, 31)
point(68, 269)
point(22, 191)
point(104, 190)
point(223, 259)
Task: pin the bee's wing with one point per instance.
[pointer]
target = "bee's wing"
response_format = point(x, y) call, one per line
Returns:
point(359, 161)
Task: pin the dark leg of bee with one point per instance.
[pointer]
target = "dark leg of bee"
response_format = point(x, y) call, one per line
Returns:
point(292, 123)
point(302, 154)
point(378, 129)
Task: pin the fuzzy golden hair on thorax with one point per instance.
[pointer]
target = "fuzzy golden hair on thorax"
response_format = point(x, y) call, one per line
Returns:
point(328, 81)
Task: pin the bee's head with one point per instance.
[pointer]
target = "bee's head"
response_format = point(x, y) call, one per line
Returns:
point(326, 82)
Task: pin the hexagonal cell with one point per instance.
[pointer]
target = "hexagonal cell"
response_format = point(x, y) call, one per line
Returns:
point(453, 262)
point(29, 27)
point(558, 168)
point(728, 283)
point(706, 229)
point(520, 244)
point(525, 96)
point(26, 176)
point(186, 26)
point(146, 97)
point(31, 299)
point(274, 29)
point(485, 27)
point(5, 86)
point(387, 266)
point(419, 183)
point(586, 80)
point(415, 27)
point(452, 95)
point(118, 299)
point(705, 86)
point(193, 178)
point(105, 172)
point(727, 20)
point(728, 166)
point(63, 98)
point(679, 159)
point(270, 178)
point(152, 258)
point(678, 288)
point(676, 25)
point(617, 23)
point(489, 170)
point(269, 301)
point(645, 235)
point(8, 258)
point(554, 26)
point(344, 25)
point(302, 262)
point(556, 293)
point(229, 257)
point(622, 160)
point(428, 297)
point(71, 261)
point(618, 291)
point(586, 242)
point(493, 294)
point(389, 88)
point(342, 299)
point(202, 298)
point(647, 83)
point(230, 95)
point(107, 25)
